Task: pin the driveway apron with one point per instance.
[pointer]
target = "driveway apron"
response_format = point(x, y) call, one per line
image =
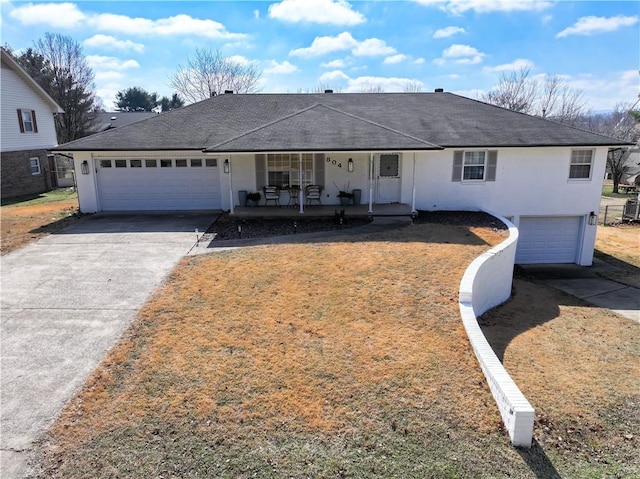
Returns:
point(65, 301)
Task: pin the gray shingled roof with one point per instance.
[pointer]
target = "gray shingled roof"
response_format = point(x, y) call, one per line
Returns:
point(334, 122)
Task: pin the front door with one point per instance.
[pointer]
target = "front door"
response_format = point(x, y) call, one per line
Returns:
point(388, 178)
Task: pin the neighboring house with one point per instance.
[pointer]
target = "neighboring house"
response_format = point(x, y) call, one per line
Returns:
point(28, 131)
point(103, 121)
point(432, 151)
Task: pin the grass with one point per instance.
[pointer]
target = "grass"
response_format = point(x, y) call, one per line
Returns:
point(607, 190)
point(26, 219)
point(346, 359)
point(53, 196)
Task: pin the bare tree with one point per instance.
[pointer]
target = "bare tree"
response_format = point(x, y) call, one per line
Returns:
point(208, 73)
point(548, 98)
point(320, 88)
point(58, 64)
point(621, 123)
point(413, 87)
point(372, 89)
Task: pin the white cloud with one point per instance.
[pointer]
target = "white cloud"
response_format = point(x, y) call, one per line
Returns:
point(330, 12)
point(333, 76)
point(108, 76)
point(323, 45)
point(100, 63)
point(283, 68)
point(603, 92)
point(109, 42)
point(448, 32)
point(339, 63)
point(256, 14)
point(517, 64)
point(239, 59)
point(344, 41)
point(68, 15)
point(462, 54)
point(418, 61)
point(372, 47)
point(458, 7)
point(394, 59)
point(592, 25)
point(59, 15)
point(388, 84)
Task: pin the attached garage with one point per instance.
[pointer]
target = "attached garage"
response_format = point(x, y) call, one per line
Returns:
point(549, 239)
point(143, 184)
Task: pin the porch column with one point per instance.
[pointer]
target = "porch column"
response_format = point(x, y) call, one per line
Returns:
point(413, 186)
point(371, 182)
point(231, 202)
point(301, 193)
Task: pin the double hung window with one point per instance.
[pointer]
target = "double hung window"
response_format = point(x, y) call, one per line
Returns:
point(581, 161)
point(289, 169)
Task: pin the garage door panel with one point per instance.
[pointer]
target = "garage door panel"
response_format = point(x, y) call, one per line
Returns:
point(148, 188)
point(548, 239)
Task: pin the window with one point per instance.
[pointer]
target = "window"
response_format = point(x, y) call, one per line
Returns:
point(196, 163)
point(27, 121)
point(181, 163)
point(211, 162)
point(34, 163)
point(121, 163)
point(580, 168)
point(165, 163)
point(284, 169)
point(135, 163)
point(105, 163)
point(151, 163)
point(474, 166)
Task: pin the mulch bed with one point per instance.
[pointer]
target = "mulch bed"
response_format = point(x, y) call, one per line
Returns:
point(228, 227)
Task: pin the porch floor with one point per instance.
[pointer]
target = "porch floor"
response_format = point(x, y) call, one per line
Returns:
point(319, 211)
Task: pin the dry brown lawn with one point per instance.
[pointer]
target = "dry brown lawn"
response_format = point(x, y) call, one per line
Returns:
point(620, 245)
point(343, 359)
point(24, 223)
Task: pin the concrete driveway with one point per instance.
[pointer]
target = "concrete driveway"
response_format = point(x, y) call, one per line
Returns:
point(65, 301)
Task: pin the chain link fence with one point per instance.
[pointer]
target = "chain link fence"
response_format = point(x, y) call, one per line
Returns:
point(615, 214)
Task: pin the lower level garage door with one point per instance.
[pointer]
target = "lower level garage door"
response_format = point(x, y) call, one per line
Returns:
point(548, 239)
point(158, 184)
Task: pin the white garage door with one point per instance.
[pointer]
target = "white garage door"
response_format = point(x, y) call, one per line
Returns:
point(158, 184)
point(550, 239)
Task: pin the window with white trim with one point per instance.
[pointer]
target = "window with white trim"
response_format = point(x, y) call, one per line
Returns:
point(581, 161)
point(34, 164)
point(27, 121)
point(284, 169)
point(473, 167)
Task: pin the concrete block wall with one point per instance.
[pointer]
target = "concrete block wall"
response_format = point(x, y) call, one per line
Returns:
point(487, 283)
point(15, 175)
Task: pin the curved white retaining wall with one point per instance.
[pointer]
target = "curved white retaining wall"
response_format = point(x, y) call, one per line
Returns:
point(487, 283)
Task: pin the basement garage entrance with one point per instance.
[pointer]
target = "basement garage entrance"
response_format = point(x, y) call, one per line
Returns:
point(548, 239)
point(158, 184)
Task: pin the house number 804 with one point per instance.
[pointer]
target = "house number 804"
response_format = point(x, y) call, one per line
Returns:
point(334, 162)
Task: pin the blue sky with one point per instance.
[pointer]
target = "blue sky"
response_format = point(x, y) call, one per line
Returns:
point(462, 46)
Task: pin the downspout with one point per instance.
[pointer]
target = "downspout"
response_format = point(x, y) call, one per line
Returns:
point(231, 202)
point(413, 186)
point(370, 182)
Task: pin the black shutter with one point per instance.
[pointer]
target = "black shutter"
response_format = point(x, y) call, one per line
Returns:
point(318, 165)
point(20, 120)
point(492, 165)
point(456, 175)
point(33, 119)
point(261, 171)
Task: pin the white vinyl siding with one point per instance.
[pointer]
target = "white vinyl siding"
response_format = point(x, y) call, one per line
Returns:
point(18, 95)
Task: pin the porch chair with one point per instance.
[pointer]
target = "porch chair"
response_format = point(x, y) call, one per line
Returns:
point(271, 193)
point(313, 193)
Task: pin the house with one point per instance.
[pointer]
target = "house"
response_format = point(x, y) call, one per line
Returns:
point(28, 131)
point(104, 120)
point(430, 151)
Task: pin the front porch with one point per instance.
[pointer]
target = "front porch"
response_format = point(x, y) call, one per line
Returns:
point(321, 211)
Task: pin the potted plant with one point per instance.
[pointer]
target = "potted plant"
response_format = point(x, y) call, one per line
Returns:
point(253, 198)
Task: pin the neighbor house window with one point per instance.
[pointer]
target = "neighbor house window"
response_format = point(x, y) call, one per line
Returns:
point(34, 164)
point(580, 168)
point(284, 169)
point(27, 121)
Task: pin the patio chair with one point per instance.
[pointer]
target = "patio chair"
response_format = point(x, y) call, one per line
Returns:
point(313, 193)
point(271, 193)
